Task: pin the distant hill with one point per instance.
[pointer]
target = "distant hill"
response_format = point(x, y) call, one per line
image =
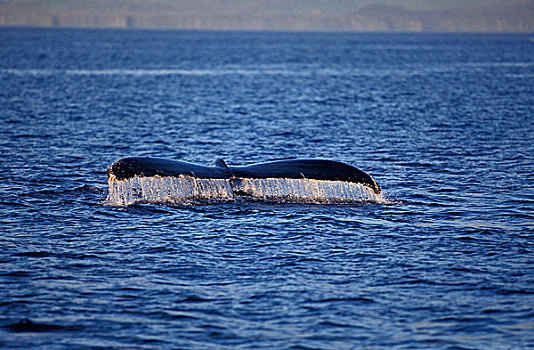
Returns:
point(285, 15)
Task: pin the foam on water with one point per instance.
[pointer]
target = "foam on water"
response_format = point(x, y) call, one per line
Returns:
point(187, 190)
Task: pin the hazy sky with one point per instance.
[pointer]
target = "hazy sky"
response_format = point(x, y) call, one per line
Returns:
point(352, 15)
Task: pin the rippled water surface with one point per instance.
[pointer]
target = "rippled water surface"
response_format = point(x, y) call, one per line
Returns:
point(444, 123)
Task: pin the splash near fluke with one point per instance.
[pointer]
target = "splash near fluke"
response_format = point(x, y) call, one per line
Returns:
point(152, 180)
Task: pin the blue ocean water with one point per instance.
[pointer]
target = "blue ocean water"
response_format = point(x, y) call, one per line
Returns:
point(443, 122)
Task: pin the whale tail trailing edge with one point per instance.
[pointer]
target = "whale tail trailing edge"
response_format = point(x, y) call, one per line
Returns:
point(141, 179)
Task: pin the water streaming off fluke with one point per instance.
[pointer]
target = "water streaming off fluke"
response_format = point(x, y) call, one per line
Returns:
point(187, 190)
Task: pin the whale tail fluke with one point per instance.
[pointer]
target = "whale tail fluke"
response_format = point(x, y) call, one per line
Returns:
point(139, 179)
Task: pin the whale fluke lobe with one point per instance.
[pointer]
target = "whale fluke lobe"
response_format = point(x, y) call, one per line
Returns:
point(127, 168)
point(138, 179)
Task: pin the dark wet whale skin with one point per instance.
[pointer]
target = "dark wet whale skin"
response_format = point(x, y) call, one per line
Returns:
point(315, 169)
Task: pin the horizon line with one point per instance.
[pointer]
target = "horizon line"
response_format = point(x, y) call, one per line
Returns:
point(253, 30)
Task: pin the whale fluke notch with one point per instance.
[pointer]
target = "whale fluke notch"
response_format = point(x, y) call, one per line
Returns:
point(219, 163)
